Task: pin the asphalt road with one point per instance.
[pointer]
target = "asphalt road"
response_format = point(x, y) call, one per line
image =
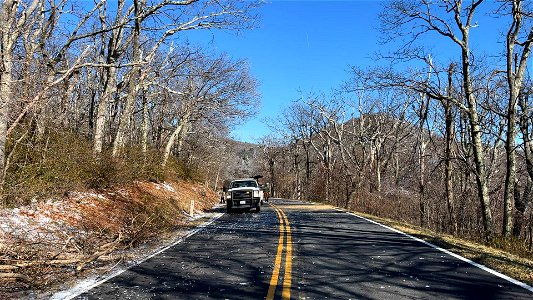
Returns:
point(302, 251)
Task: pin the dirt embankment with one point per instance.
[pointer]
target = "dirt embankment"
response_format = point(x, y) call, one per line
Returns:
point(46, 244)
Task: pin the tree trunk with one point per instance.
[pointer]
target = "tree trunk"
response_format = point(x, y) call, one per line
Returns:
point(170, 143)
point(110, 88)
point(477, 144)
point(135, 81)
point(175, 137)
point(144, 127)
point(328, 170)
point(523, 202)
point(215, 187)
point(9, 10)
point(481, 173)
point(273, 185)
point(516, 67)
point(181, 138)
point(296, 165)
point(449, 153)
point(510, 174)
point(113, 44)
point(423, 112)
point(448, 166)
point(5, 96)
point(421, 180)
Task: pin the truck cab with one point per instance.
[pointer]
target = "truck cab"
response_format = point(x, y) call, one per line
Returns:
point(244, 194)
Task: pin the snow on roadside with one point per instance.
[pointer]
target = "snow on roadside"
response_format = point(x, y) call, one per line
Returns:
point(52, 221)
point(32, 223)
point(56, 219)
point(74, 226)
point(168, 187)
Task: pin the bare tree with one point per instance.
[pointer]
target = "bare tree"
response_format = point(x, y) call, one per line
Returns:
point(518, 50)
point(15, 20)
point(111, 48)
point(415, 18)
point(34, 26)
point(210, 14)
point(449, 116)
point(214, 89)
point(273, 150)
point(525, 121)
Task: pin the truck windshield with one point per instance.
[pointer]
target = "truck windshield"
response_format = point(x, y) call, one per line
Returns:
point(238, 184)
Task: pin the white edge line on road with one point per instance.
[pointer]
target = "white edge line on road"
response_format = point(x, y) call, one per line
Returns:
point(90, 283)
point(485, 268)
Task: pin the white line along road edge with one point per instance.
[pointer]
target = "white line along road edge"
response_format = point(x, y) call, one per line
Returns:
point(485, 268)
point(90, 283)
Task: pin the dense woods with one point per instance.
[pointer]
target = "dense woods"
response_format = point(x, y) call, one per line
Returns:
point(97, 92)
point(436, 139)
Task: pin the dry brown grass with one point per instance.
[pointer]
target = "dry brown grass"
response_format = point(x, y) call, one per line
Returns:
point(91, 230)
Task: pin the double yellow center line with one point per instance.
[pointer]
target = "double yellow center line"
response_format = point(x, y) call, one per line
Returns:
point(284, 235)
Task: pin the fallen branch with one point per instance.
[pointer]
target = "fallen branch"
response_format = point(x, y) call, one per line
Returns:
point(106, 249)
point(14, 276)
point(8, 267)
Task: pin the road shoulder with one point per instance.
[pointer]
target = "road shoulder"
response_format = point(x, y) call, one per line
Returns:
point(517, 268)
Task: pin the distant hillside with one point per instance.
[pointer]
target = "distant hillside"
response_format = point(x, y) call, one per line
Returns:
point(242, 160)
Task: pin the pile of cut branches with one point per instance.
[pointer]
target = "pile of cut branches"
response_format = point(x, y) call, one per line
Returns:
point(50, 243)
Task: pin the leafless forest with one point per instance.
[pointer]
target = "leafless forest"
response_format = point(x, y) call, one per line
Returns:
point(94, 93)
point(107, 110)
point(445, 144)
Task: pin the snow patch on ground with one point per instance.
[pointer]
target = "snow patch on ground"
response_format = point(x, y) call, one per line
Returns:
point(59, 222)
point(123, 193)
point(50, 221)
point(77, 196)
point(30, 224)
point(168, 187)
point(164, 186)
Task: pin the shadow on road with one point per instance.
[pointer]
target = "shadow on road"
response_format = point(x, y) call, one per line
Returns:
point(231, 259)
point(341, 256)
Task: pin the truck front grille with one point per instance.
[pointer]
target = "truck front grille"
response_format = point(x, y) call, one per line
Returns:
point(242, 195)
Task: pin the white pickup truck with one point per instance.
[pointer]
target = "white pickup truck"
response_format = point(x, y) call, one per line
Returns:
point(244, 194)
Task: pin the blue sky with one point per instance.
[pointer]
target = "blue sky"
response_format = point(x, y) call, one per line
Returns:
point(309, 46)
point(300, 46)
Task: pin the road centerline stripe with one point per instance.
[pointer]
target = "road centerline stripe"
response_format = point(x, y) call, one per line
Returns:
point(279, 254)
point(287, 278)
point(285, 241)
